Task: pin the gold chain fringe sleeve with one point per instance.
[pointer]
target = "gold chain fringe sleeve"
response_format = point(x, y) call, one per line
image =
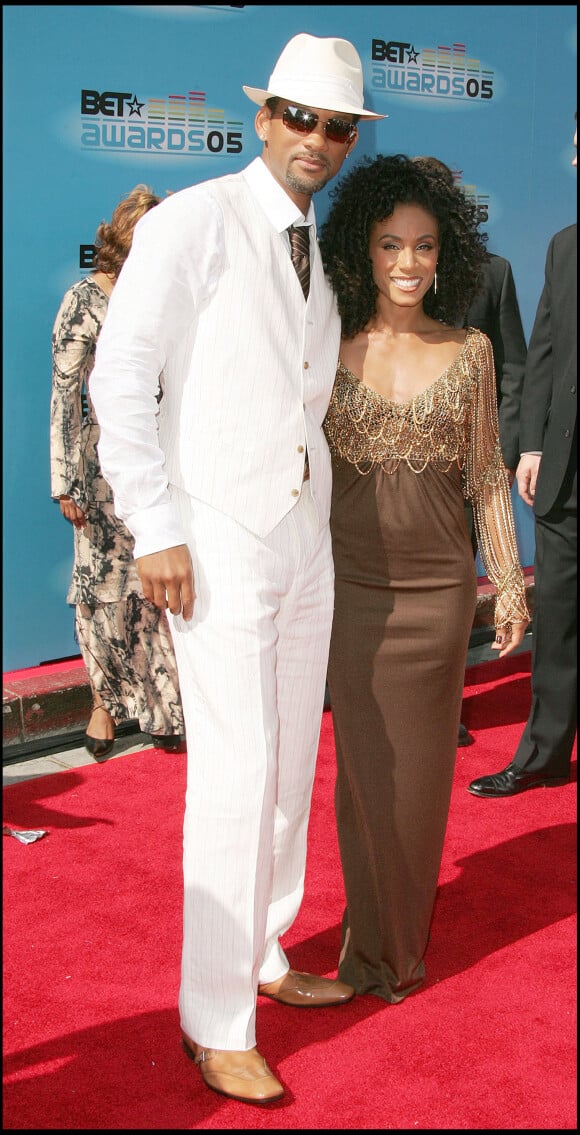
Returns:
point(487, 485)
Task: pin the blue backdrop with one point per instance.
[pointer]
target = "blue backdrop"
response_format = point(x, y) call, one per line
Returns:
point(100, 97)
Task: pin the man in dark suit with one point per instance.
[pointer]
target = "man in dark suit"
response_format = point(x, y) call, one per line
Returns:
point(496, 312)
point(546, 476)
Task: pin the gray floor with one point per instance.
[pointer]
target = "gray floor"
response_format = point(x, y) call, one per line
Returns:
point(33, 767)
point(41, 765)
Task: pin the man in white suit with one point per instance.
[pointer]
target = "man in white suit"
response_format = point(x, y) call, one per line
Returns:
point(226, 488)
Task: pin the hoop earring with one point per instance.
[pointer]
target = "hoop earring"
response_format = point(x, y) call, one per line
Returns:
point(435, 284)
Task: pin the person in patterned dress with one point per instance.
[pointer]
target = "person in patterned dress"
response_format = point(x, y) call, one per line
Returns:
point(412, 428)
point(124, 639)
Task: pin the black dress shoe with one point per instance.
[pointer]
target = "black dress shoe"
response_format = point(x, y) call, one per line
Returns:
point(170, 742)
point(464, 737)
point(98, 746)
point(512, 781)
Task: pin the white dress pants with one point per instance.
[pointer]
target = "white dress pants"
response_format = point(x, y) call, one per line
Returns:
point(252, 671)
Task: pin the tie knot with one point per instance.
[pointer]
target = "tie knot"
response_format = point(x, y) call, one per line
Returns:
point(299, 239)
point(300, 251)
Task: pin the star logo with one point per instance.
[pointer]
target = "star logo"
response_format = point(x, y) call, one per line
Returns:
point(412, 55)
point(134, 106)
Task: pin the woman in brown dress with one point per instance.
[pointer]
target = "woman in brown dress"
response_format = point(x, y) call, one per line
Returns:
point(124, 639)
point(412, 428)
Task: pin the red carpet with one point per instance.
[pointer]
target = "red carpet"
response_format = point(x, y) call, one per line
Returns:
point(92, 936)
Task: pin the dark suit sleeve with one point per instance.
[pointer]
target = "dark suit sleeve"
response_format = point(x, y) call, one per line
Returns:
point(509, 350)
point(549, 398)
point(537, 388)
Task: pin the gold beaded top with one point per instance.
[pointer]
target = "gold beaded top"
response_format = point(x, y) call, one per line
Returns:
point(453, 422)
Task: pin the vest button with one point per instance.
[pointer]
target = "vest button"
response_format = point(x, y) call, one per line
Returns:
point(300, 449)
point(295, 492)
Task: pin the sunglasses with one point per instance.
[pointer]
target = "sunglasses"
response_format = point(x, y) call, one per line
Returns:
point(302, 121)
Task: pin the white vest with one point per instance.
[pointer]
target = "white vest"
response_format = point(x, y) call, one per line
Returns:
point(248, 390)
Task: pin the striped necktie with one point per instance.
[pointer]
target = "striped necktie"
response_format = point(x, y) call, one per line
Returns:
point(300, 247)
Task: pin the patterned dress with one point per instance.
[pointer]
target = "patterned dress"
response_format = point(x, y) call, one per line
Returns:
point(124, 639)
point(404, 606)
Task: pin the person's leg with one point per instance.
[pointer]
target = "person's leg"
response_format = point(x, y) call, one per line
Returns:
point(226, 659)
point(151, 670)
point(542, 758)
point(303, 628)
point(100, 730)
point(548, 737)
point(464, 737)
point(243, 810)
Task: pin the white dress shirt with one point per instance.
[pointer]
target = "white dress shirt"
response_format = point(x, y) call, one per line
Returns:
point(209, 296)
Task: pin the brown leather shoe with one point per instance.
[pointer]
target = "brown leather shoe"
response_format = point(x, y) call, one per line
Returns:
point(243, 1076)
point(306, 990)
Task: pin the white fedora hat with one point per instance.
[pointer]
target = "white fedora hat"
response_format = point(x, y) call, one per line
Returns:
point(323, 73)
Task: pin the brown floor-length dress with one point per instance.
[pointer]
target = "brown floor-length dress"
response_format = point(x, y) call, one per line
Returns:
point(404, 607)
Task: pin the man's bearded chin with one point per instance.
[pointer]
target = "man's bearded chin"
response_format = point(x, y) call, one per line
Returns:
point(307, 186)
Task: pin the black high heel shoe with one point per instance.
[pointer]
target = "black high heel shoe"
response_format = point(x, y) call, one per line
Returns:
point(170, 742)
point(98, 746)
point(464, 736)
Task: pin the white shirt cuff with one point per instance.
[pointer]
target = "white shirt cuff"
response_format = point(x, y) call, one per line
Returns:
point(155, 529)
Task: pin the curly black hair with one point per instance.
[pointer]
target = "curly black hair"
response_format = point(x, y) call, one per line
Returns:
point(368, 193)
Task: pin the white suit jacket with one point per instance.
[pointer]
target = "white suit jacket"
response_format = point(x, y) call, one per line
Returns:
point(209, 297)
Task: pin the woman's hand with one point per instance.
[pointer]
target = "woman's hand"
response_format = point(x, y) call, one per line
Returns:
point(72, 512)
point(508, 637)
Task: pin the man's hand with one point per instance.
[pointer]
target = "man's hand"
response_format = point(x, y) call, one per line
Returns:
point(167, 579)
point(527, 475)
